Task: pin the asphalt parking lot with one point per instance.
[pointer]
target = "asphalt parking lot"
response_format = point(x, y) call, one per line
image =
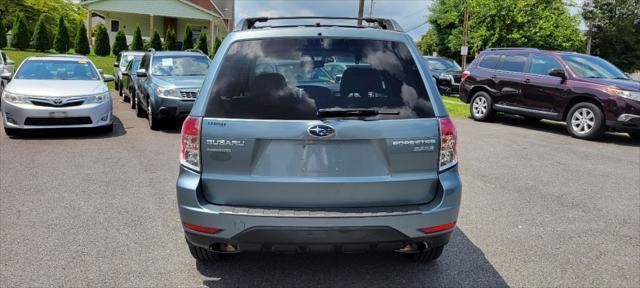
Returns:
point(539, 208)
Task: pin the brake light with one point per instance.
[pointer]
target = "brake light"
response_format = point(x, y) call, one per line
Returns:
point(190, 144)
point(438, 228)
point(465, 74)
point(448, 141)
point(202, 229)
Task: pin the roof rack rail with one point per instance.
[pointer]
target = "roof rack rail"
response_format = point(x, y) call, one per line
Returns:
point(512, 48)
point(151, 50)
point(383, 23)
point(67, 56)
point(194, 50)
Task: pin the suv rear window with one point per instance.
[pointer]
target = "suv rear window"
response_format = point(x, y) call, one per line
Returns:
point(287, 79)
point(489, 61)
point(514, 62)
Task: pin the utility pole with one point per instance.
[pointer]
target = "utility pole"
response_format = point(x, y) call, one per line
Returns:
point(371, 9)
point(360, 12)
point(465, 26)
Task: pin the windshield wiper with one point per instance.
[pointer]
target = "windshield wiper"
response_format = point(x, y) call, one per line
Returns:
point(355, 112)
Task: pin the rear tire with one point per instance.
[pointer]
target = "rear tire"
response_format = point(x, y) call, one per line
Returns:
point(585, 120)
point(428, 255)
point(481, 108)
point(634, 135)
point(202, 254)
point(11, 132)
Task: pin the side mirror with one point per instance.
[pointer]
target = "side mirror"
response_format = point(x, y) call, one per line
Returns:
point(125, 73)
point(115, 64)
point(6, 76)
point(627, 74)
point(338, 78)
point(557, 72)
point(10, 62)
point(100, 71)
point(141, 73)
point(108, 78)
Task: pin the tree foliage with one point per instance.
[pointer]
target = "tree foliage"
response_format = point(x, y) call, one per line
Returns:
point(119, 43)
point(81, 40)
point(3, 36)
point(136, 43)
point(20, 38)
point(101, 45)
point(216, 45)
point(170, 40)
point(32, 9)
point(544, 24)
point(615, 31)
point(203, 44)
point(41, 36)
point(187, 42)
point(156, 43)
point(61, 42)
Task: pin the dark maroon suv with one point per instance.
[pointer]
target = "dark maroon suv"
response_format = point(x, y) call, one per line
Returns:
point(588, 93)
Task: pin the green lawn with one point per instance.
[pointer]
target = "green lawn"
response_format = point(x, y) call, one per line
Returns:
point(455, 107)
point(104, 63)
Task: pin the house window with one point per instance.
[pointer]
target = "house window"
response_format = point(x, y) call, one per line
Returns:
point(115, 25)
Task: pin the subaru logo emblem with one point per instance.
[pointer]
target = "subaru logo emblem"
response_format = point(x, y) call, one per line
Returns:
point(321, 130)
point(57, 101)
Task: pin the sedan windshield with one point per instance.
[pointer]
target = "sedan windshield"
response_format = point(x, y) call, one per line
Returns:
point(592, 67)
point(57, 70)
point(180, 65)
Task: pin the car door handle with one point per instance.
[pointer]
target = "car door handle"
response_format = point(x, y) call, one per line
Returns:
point(527, 81)
point(494, 76)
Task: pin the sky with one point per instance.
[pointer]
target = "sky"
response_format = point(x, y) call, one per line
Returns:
point(410, 14)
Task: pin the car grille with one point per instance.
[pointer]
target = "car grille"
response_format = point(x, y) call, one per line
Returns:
point(47, 104)
point(189, 93)
point(31, 121)
point(57, 102)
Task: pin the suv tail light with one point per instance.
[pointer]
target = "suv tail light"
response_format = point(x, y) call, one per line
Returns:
point(448, 141)
point(190, 143)
point(465, 74)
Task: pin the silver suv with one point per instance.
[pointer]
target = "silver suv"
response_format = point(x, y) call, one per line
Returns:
point(279, 160)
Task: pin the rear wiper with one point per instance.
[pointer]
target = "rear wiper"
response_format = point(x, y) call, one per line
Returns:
point(355, 112)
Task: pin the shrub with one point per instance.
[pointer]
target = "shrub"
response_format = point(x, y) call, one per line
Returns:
point(82, 42)
point(21, 38)
point(156, 43)
point(216, 46)
point(61, 41)
point(120, 43)
point(3, 36)
point(136, 43)
point(202, 43)
point(187, 42)
point(170, 40)
point(101, 45)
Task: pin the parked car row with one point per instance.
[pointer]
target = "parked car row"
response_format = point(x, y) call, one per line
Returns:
point(6, 67)
point(590, 94)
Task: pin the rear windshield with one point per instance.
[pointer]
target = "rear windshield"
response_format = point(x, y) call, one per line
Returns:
point(292, 79)
point(57, 70)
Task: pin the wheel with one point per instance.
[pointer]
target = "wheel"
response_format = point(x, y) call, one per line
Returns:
point(531, 119)
point(116, 84)
point(481, 107)
point(634, 135)
point(154, 122)
point(11, 132)
point(428, 255)
point(139, 111)
point(132, 98)
point(202, 254)
point(585, 121)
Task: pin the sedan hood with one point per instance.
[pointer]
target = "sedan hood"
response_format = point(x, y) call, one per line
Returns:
point(618, 83)
point(182, 81)
point(56, 88)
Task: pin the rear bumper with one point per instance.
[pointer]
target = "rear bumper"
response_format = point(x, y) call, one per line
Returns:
point(381, 228)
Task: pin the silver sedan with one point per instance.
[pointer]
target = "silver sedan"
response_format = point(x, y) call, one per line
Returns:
point(59, 91)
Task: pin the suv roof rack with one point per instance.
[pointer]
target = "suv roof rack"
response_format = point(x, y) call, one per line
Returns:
point(194, 50)
point(383, 23)
point(512, 48)
point(66, 56)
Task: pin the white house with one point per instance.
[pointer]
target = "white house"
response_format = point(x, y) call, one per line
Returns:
point(214, 17)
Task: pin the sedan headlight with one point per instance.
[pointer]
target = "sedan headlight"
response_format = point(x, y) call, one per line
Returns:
point(14, 98)
point(633, 95)
point(167, 92)
point(98, 98)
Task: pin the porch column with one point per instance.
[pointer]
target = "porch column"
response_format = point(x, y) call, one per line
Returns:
point(90, 27)
point(151, 27)
point(212, 26)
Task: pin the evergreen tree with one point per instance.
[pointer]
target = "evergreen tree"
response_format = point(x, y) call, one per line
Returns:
point(101, 45)
point(156, 43)
point(41, 39)
point(120, 43)
point(137, 44)
point(216, 46)
point(187, 42)
point(21, 38)
point(3, 36)
point(170, 40)
point(61, 41)
point(202, 43)
point(82, 42)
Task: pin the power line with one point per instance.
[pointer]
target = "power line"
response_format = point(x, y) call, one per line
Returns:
point(416, 27)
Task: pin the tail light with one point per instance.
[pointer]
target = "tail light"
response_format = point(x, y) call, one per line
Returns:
point(190, 144)
point(465, 74)
point(203, 229)
point(438, 228)
point(448, 141)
